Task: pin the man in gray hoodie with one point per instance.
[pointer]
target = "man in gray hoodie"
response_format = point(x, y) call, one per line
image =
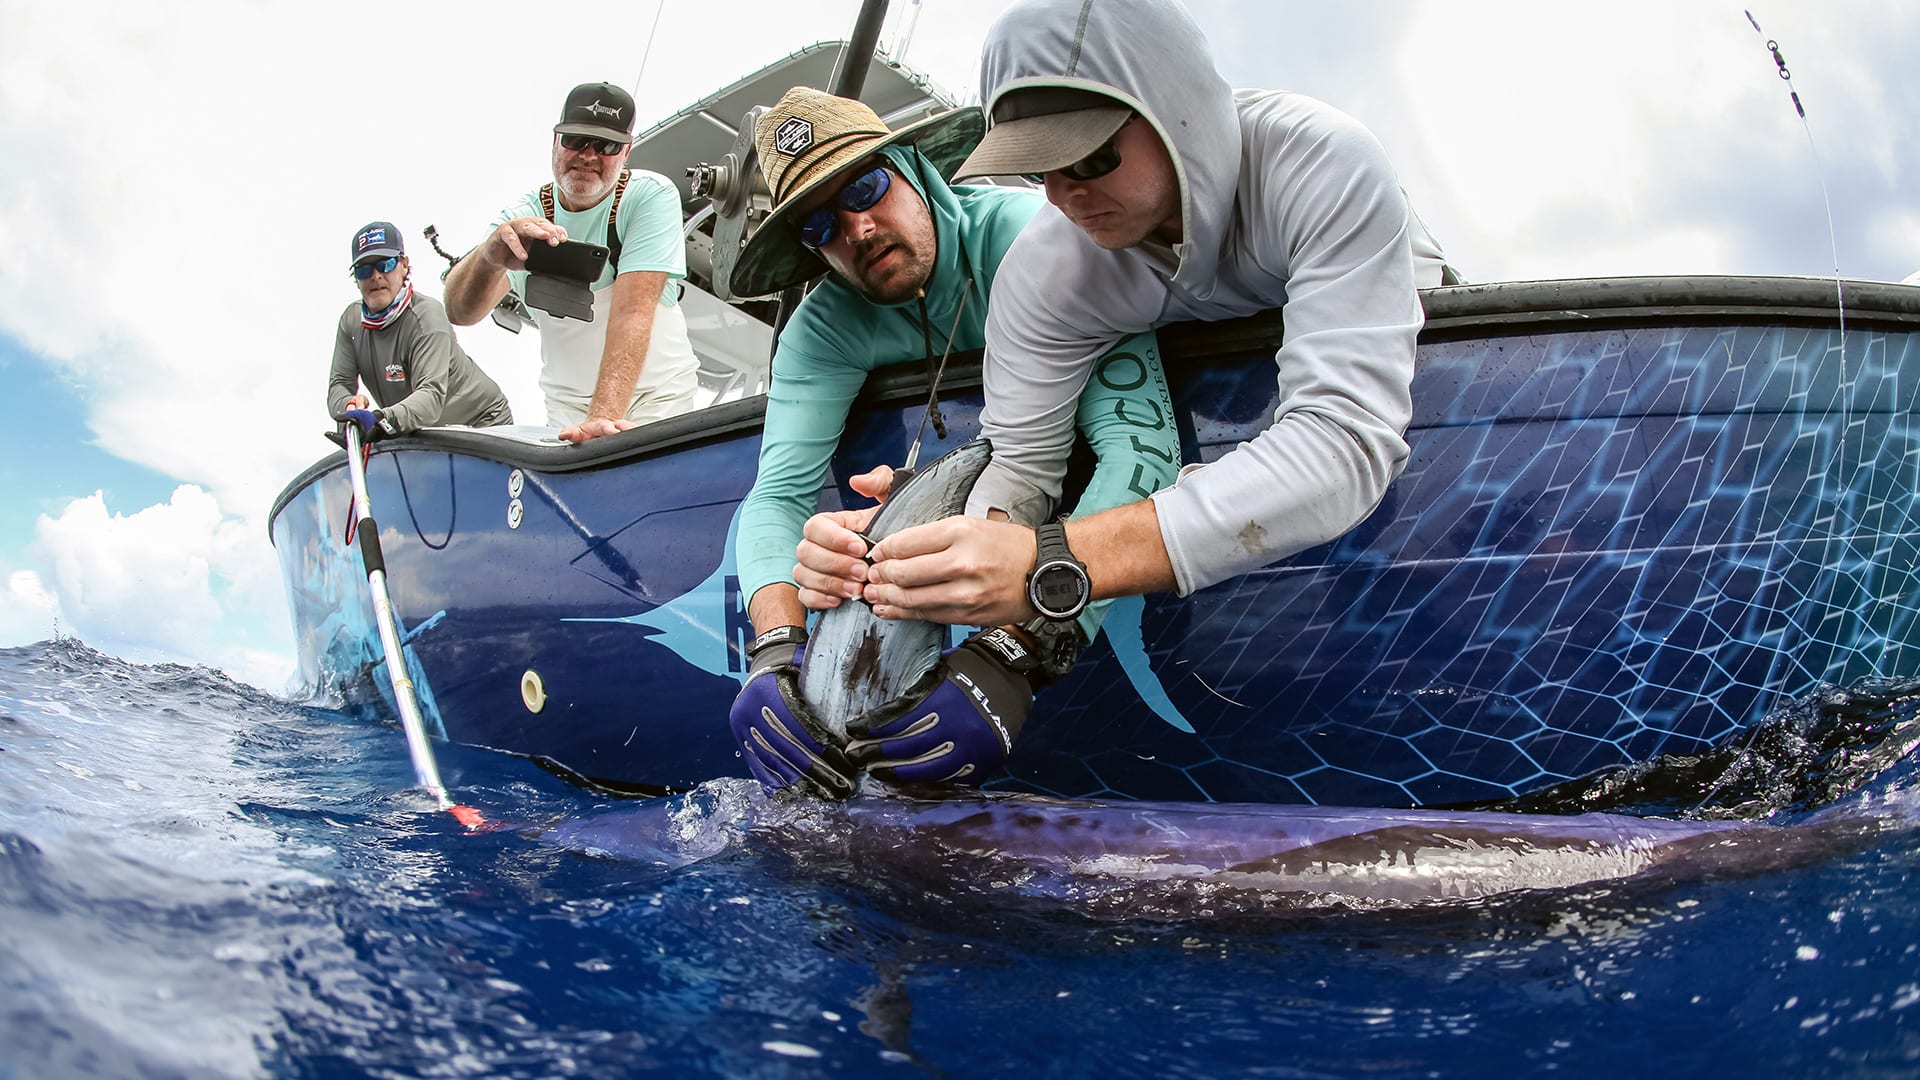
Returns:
point(1173, 197)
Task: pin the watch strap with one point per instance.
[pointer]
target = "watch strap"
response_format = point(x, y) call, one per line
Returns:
point(1050, 542)
point(1056, 648)
point(779, 635)
point(1052, 553)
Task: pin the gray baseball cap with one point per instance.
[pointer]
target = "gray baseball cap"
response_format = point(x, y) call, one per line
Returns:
point(1038, 129)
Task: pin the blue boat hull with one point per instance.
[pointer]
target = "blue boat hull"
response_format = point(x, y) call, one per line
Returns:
point(1638, 515)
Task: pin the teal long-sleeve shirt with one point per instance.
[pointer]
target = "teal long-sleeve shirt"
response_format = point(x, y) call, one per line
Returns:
point(836, 337)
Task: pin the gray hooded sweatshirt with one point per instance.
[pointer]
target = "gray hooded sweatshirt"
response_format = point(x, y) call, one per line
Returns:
point(1285, 202)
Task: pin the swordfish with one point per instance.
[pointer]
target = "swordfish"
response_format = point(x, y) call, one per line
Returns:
point(855, 660)
point(1187, 860)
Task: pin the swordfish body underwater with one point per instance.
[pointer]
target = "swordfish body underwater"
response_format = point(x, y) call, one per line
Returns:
point(856, 661)
point(1203, 860)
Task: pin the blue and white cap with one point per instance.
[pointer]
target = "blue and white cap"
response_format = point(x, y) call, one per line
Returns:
point(376, 240)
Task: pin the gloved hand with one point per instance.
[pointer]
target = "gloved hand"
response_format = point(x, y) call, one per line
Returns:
point(958, 724)
point(782, 741)
point(369, 421)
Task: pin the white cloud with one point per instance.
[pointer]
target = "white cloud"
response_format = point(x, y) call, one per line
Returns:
point(1549, 118)
point(28, 612)
point(177, 581)
point(178, 183)
point(1898, 232)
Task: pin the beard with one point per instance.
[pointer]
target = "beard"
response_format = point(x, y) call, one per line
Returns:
point(582, 189)
point(906, 274)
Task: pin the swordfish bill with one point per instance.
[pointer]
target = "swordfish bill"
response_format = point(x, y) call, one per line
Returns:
point(856, 661)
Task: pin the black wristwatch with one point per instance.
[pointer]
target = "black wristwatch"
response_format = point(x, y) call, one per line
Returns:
point(779, 635)
point(1058, 588)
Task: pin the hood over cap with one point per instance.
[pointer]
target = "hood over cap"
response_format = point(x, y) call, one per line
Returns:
point(1150, 56)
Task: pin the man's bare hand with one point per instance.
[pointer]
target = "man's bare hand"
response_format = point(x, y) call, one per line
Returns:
point(963, 570)
point(832, 554)
point(506, 247)
point(875, 484)
point(594, 429)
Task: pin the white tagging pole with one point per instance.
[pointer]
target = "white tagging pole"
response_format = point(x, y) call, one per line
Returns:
point(383, 617)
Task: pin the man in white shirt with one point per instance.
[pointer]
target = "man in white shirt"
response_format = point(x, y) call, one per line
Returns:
point(633, 363)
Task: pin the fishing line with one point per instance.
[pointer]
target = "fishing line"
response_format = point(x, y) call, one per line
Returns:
point(932, 411)
point(1847, 390)
point(648, 51)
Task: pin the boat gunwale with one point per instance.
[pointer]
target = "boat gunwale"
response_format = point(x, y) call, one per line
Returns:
point(1499, 309)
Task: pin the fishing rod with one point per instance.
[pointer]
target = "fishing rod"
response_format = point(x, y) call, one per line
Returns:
point(424, 769)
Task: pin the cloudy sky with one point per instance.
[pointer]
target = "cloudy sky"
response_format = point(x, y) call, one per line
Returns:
point(178, 183)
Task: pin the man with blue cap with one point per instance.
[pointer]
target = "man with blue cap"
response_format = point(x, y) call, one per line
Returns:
point(400, 346)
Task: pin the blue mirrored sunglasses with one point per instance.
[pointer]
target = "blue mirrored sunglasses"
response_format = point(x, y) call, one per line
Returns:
point(365, 270)
point(856, 196)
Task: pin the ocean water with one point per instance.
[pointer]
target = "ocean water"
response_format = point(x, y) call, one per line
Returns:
point(198, 879)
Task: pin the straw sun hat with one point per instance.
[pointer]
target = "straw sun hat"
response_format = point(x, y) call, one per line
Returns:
point(806, 141)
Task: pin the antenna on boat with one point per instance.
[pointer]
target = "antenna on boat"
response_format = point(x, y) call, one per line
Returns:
point(906, 38)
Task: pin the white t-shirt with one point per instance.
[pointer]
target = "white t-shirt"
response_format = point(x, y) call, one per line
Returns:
point(571, 350)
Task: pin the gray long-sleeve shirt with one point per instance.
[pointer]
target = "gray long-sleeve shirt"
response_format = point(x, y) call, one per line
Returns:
point(1284, 202)
point(414, 370)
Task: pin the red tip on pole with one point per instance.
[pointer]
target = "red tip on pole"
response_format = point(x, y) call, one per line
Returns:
point(468, 816)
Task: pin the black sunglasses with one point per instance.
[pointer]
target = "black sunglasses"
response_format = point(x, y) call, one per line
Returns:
point(1104, 159)
point(604, 147)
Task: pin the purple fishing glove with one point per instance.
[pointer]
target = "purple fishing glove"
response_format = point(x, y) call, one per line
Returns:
point(959, 724)
point(782, 741)
point(369, 421)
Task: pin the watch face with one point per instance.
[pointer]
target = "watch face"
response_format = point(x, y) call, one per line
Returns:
point(1058, 589)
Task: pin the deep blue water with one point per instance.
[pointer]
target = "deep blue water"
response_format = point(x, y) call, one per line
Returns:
point(198, 879)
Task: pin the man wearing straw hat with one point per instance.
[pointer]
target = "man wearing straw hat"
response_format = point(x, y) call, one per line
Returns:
point(912, 261)
point(1174, 197)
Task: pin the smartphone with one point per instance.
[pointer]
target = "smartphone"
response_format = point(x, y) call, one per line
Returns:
point(560, 277)
point(573, 259)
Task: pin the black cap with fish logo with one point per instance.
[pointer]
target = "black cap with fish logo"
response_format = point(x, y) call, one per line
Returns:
point(601, 110)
